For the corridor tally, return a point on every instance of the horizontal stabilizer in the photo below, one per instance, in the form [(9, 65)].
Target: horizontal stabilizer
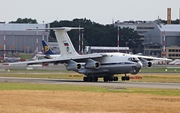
[(59, 28)]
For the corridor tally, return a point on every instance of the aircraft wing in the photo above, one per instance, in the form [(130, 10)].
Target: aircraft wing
[(80, 58), (149, 58)]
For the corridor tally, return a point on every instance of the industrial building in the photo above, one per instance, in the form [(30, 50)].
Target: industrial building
[(163, 40), (16, 37), (140, 26)]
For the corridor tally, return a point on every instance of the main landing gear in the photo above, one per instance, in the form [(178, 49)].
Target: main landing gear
[(106, 78), (110, 78), (95, 79), (124, 78), (90, 79)]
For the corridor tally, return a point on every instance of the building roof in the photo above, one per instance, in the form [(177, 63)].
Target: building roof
[(19, 27), (169, 27)]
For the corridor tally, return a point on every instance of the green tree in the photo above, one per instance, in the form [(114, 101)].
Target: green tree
[(25, 20), (172, 21)]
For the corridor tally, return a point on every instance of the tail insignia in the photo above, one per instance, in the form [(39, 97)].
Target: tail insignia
[(66, 44), (46, 48), (67, 48)]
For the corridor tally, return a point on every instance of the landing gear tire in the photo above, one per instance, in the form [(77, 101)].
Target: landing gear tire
[(105, 79), (95, 79), (85, 79), (115, 78), (124, 78), (90, 79), (111, 78)]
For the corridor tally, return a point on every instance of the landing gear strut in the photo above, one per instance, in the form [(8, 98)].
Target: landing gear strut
[(125, 78)]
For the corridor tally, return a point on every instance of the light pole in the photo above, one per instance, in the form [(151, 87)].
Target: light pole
[(149, 53), (43, 38), (4, 41), (79, 40), (37, 41), (82, 42), (126, 46), (118, 43)]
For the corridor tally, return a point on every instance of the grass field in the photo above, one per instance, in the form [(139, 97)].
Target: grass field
[(28, 86), (49, 98)]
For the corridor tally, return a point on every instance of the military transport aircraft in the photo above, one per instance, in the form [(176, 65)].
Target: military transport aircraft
[(97, 65)]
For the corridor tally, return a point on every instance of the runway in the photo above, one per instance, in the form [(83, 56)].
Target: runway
[(100, 83)]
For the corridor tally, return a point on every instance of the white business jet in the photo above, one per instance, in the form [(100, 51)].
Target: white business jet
[(93, 66)]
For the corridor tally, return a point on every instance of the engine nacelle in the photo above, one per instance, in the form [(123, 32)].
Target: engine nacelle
[(91, 64), (72, 65), (146, 63), (149, 64)]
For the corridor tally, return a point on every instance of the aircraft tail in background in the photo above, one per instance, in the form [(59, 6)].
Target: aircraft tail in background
[(47, 49)]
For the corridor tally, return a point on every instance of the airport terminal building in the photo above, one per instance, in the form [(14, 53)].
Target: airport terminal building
[(16, 37)]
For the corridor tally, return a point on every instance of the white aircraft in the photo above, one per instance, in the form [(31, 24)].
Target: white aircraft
[(13, 59), (174, 62), (94, 66)]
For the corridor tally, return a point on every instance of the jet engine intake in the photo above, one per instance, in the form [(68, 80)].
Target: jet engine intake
[(91, 64), (146, 63), (74, 66), (149, 64)]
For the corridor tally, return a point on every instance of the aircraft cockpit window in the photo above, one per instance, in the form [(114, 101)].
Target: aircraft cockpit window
[(134, 59)]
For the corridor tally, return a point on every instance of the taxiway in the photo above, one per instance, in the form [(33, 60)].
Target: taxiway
[(102, 84)]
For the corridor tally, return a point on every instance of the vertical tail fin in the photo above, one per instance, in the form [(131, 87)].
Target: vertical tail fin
[(64, 42), (65, 45), (47, 49)]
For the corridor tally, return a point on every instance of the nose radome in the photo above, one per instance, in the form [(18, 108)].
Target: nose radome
[(139, 65)]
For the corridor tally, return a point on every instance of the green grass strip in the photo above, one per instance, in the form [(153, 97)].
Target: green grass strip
[(28, 86)]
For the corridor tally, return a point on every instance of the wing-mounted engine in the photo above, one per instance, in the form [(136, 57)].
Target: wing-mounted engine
[(72, 65), (146, 63), (149, 64), (92, 64)]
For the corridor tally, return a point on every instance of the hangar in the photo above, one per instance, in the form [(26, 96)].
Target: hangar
[(16, 38), (167, 36)]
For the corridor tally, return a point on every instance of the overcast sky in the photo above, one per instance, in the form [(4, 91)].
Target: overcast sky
[(100, 11)]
